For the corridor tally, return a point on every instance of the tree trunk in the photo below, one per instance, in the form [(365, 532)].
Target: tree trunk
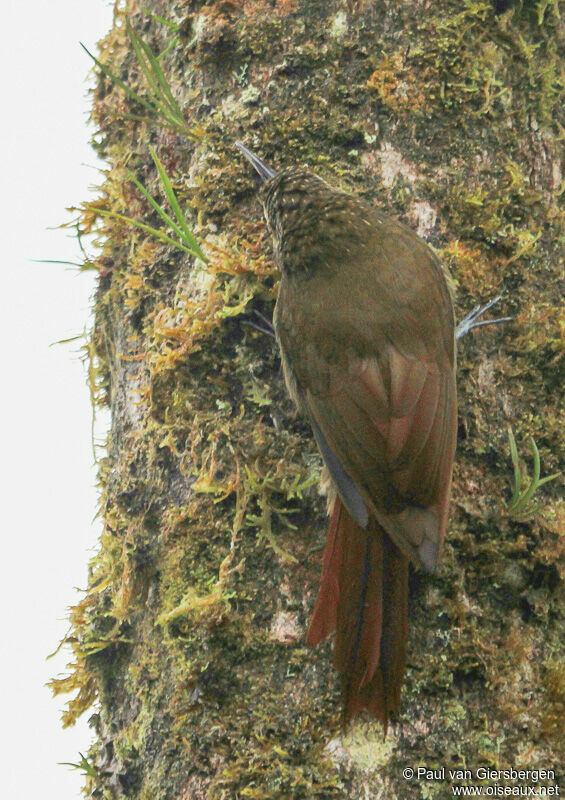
[(190, 637)]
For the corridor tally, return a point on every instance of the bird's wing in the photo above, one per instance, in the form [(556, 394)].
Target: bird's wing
[(386, 428)]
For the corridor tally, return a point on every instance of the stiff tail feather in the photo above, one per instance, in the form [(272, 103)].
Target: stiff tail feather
[(363, 597)]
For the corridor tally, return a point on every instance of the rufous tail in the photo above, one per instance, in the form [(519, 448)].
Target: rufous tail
[(363, 597)]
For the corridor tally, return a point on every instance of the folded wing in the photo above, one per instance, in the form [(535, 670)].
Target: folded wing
[(386, 427)]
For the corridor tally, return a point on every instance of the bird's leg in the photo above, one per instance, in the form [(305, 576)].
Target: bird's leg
[(470, 321)]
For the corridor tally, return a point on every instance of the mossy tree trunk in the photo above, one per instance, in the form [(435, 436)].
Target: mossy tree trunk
[(189, 639)]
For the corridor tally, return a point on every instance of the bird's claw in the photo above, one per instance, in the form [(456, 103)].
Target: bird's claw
[(472, 319), (267, 326)]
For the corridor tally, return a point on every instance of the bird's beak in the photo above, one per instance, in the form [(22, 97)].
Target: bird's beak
[(265, 172)]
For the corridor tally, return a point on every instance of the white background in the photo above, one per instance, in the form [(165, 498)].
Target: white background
[(48, 495)]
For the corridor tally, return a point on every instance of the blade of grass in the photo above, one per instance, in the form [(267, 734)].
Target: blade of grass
[(56, 261), (528, 493), (162, 101), (162, 213), (84, 766), (153, 231), (164, 21), (548, 478), (160, 105), (162, 95), (162, 81), (169, 47), (188, 242), (522, 504), (68, 341), (136, 44), (536, 482), (171, 197), (517, 474), (118, 81)]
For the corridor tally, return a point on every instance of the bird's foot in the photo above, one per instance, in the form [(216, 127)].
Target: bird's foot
[(266, 327), (472, 319)]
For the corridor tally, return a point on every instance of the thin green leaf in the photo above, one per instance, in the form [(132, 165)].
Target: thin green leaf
[(162, 95), (162, 213), (517, 474), (534, 483), (168, 48), (522, 504), (171, 197), (537, 462), (136, 44), (162, 101), (84, 766), (548, 478), (162, 81), (56, 261), (68, 341), (118, 81), (174, 25), (153, 231)]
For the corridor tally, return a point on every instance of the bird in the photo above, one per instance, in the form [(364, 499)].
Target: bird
[(365, 324)]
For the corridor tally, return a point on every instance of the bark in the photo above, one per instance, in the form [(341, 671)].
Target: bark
[(190, 637)]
